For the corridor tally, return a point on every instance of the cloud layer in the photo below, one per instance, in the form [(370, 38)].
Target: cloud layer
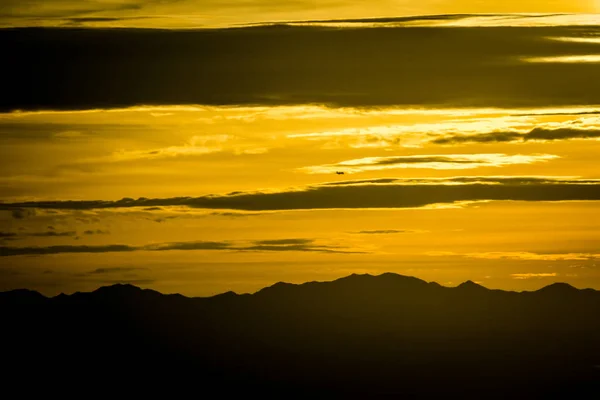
[(352, 194), (276, 65)]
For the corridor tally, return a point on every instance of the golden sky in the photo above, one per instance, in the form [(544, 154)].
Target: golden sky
[(200, 161)]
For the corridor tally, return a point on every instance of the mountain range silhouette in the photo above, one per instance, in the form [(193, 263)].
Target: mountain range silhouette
[(361, 336)]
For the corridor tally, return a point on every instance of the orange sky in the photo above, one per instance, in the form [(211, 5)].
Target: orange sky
[(472, 157)]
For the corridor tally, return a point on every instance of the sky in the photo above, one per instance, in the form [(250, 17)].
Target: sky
[(216, 146)]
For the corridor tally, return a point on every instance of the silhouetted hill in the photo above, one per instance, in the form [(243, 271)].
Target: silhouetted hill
[(361, 336)]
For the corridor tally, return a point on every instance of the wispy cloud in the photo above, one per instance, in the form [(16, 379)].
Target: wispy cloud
[(518, 128), (385, 232), (115, 270), (279, 245), (197, 145), (522, 255), (446, 161), (532, 275), (575, 59)]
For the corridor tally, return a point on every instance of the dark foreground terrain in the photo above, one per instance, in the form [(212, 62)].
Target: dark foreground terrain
[(361, 336)]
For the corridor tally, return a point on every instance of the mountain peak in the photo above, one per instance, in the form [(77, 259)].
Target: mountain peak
[(558, 288), (23, 296), (471, 285)]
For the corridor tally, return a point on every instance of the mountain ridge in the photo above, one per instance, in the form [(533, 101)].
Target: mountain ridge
[(467, 285)]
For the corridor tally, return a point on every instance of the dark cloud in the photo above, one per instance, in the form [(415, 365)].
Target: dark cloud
[(52, 9), (4, 235), (49, 233), (96, 232), (235, 214), (274, 65), (562, 134), (375, 193), (541, 114), (298, 247), (85, 20), (163, 219), (113, 270), (20, 213), (17, 251), (418, 160), (190, 246), (491, 137), (539, 134), (284, 242), (52, 233), (301, 245)]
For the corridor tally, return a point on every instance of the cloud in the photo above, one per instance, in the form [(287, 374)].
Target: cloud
[(96, 232), (557, 113), (446, 161), (384, 232), (562, 134), (52, 233), (522, 255), (488, 137), (536, 134), (533, 275), (197, 145), (462, 20), (357, 67), (353, 194), (284, 245), (513, 128), (114, 270), (284, 242), (20, 213), (587, 58), (5, 235), (6, 251)]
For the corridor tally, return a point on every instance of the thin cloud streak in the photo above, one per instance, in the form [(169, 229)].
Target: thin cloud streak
[(439, 162), (520, 256), (283, 245)]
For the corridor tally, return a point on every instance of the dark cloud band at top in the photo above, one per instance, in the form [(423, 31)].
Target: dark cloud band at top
[(363, 194), (276, 65)]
